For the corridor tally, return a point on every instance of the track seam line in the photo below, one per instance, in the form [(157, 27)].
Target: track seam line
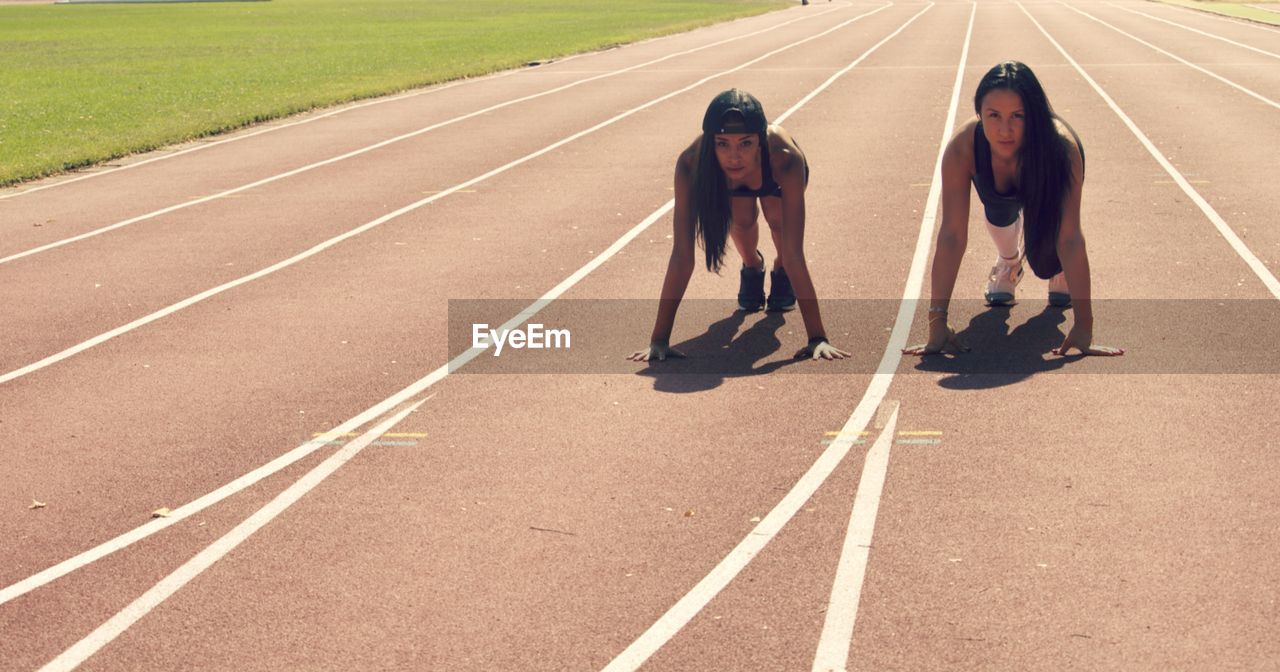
[(688, 606), (1195, 30), (1255, 264), (377, 410), (379, 145), (1175, 57), (209, 293)]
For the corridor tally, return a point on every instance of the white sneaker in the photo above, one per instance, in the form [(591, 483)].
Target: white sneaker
[(1004, 278), (1059, 296)]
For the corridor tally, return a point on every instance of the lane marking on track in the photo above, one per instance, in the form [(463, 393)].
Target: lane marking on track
[(105, 633), (317, 249), (846, 589), (1196, 30), (398, 435), (379, 145), (1175, 57), (1227, 19), (834, 644), (1259, 268), (237, 138), (370, 414), (688, 606)]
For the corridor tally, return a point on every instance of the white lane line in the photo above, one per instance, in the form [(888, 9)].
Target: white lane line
[(209, 293), (117, 624), (1247, 23), (108, 631), (300, 452), (688, 606), (377, 410), (1259, 268), (846, 589), (384, 143), (1175, 57), (343, 110), (833, 649), (1196, 30)]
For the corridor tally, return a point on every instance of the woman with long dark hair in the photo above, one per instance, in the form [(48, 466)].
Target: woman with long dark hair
[(1027, 166), (740, 165)]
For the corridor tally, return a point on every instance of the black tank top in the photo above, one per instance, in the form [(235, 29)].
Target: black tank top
[(1001, 209)]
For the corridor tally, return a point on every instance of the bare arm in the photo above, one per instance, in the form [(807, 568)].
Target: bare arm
[(789, 173), (679, 265), (953, 238), (953, 234), (1075, 265), (1071, 250)]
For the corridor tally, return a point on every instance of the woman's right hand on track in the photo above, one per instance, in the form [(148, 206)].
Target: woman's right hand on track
[(941, 337), (656, 350)]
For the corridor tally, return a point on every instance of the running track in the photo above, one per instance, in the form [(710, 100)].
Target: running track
[(181, 330)]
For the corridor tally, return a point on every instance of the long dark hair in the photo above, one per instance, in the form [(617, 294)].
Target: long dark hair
[(711, 203), (711, 200), (1043, 163)]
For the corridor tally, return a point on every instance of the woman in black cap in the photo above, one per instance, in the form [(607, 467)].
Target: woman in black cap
[(1026, 164), (739, 160)]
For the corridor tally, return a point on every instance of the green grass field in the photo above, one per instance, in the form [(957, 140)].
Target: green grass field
[(80, 84)]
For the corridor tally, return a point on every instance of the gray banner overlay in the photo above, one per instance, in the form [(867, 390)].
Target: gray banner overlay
[(1161, 336)]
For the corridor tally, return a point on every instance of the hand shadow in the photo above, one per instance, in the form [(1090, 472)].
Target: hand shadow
[(716, 355), (998, 356)]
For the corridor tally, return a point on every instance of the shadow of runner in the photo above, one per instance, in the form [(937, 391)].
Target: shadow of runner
[(997, 356), (717, 354)]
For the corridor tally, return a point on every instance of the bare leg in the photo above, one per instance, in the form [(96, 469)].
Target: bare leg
[(744, 230), (773, 215)]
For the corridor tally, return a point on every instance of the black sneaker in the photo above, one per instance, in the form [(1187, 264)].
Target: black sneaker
[(781, 296), (751, 288)]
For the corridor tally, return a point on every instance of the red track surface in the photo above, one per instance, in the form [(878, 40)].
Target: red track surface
[(1075, 514)]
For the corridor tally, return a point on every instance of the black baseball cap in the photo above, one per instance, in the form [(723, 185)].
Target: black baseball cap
[(721, 117)]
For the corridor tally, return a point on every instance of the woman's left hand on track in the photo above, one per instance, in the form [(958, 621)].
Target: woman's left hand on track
[(657, 351), (821, 350), (1082, 340)]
